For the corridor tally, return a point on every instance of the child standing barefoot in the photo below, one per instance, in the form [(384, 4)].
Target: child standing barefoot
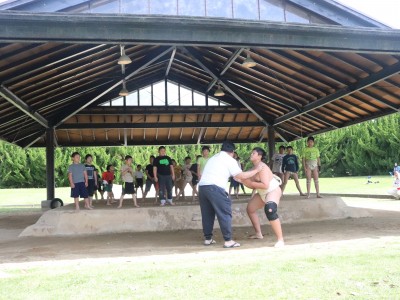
[(78, 180)]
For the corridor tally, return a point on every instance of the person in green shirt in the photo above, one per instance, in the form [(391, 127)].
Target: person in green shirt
[(312, 165), (201, 162)]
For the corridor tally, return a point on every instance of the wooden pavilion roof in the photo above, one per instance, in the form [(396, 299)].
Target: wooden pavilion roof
[(58, 69)]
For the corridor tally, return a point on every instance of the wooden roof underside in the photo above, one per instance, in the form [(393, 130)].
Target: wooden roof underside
[(308, 79)]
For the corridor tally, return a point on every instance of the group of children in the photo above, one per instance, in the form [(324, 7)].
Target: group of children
[(85, 181), (286, 165)]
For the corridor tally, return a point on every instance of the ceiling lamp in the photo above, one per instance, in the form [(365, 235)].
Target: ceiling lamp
[(249, 62), (123, 92), (124, 59), (219, 92)]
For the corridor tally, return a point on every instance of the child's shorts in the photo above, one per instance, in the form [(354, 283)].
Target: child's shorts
[(128, 188), (91, 187), (79, 190), (139, 182), (108, 188)]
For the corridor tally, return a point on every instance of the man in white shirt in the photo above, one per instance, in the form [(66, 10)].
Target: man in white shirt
[(214, 200)]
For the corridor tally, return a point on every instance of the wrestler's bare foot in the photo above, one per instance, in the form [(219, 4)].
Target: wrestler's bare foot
[(119, 206), (319, 196), (257, 236), (136, 205), (302, 194), (308, 196), (279, 244), (88, 207)]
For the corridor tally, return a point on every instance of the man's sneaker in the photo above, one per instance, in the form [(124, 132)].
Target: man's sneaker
[(162, 203), (170, 202)]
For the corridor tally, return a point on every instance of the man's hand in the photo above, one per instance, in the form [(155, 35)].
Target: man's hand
[(319, 168), (155, 179), (86, 184), (72, 185)]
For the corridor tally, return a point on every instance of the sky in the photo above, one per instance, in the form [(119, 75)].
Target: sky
[(385, 11)]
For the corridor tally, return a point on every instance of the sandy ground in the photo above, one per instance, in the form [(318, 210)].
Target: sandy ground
[(383, 226)]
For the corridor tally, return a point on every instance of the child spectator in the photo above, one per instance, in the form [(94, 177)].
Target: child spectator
[(195, 179), (127, 177), (205, 152), (150, 179), (276, 162), (395, 190), (108, 179), (92, 177), (100, 187), (178, 182), (78, 180), (290, 167), (139, 178), (312, 165)]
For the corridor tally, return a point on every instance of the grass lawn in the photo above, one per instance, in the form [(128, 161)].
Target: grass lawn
[(339, 185), (244, 274)]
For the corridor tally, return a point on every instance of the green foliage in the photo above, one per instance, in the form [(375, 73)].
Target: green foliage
[(369, 148)]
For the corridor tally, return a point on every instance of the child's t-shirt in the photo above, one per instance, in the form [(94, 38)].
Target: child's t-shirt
[(90, 169), (311, 153), (138, 174), (127, 177), (108, 177), (77, 172)]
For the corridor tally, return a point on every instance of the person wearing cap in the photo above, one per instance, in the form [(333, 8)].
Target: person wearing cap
[(214, 200), (312, 165)]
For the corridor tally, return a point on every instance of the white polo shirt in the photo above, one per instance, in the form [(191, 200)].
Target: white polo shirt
[(218, 170)]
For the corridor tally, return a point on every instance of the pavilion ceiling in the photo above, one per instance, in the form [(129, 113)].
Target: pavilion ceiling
[(336, 78)]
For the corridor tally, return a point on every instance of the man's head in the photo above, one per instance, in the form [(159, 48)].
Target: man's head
[(188, 160), (281, 149), (152, 157), (229, 147), (289, 149)]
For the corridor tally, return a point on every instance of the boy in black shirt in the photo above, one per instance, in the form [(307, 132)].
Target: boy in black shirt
[(164, 174), (290, 166)]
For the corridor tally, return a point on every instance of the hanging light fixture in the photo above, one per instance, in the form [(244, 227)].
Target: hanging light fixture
[(123, 92), (249, 62), (219, 92), (124, 59)]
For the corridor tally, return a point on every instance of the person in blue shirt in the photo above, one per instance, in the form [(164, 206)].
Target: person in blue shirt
[(290, 167)]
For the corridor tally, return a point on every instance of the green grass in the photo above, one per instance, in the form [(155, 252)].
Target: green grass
[(262, 274)]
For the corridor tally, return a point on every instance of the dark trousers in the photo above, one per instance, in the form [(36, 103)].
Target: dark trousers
[(215, 201), (165, 182)]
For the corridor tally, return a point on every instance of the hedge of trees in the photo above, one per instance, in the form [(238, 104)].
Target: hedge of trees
[(370, 148)]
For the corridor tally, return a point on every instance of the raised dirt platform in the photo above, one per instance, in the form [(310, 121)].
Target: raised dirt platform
[(65, 221)]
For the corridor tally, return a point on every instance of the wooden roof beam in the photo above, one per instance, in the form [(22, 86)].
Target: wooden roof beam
[(159, 53), (21, 105), (157, 125), (361, 84)]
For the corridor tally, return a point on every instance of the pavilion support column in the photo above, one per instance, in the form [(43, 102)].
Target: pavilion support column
[(50, 183), (271, 142)]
